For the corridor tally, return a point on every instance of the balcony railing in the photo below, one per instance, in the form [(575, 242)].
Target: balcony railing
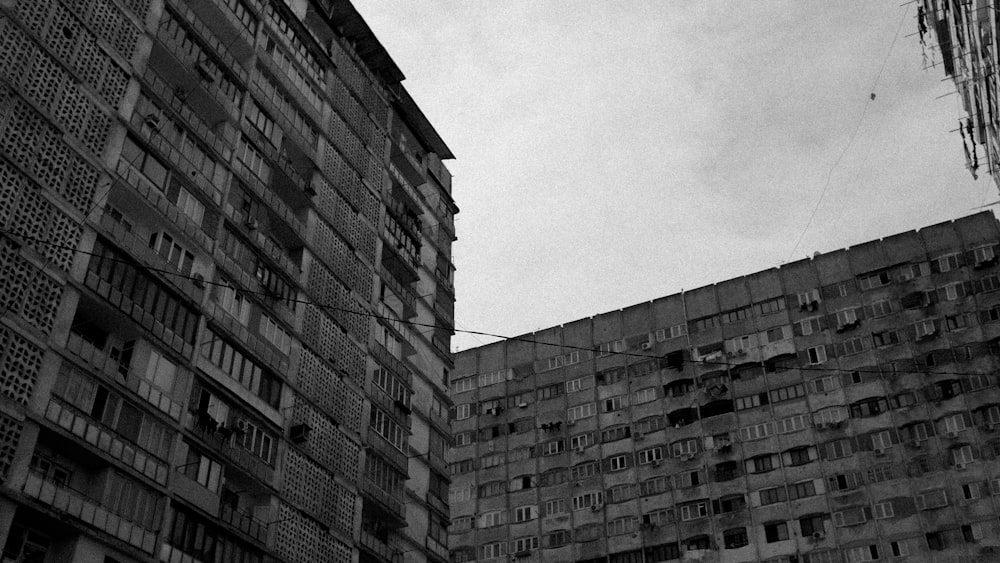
[(380, 548), (244, 522), (103, 363), (222, 443), (391, 503), (86, 429), (90, 511)]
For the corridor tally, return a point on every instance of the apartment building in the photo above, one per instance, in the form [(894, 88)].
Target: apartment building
[(843, 408), (218, 221), (967, 50)]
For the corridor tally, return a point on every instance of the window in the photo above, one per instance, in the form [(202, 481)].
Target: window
[(861, 553), (492, 489), (623, 525), (678, 331), (253, 160), (687, 447), (651, 455), (770, 306), (853, 346), (735, 538), (756, 432), (983, 254), (880, 473), (463, 385), (694, 510), (273, 333), (615, 434), (824, 384), (791, 424), (555, 506), (494, 377), (885, 338), (775, 531), (808, 298), (621, 493), (882, 510), (962, 455), (771, 496), (463, 411), (492, 518), (839, 449), (201, 469), (947, 263), (811, 525), (846, 317), (816, 354), (581, 441), (611, 376), (608, 348), (585, 410), (801, 490), (551, 391), (760, 463), (788, 393), (934, 498), (493, 550), (588, 500), (554, 447), (50, 470), (881, 308), (142, 160), (579, 384), (954, 291), (809, 326), (850, 516), (171, 251), (924, 329), (872, 281), (556, 539), (658, 485), (614, 403), (583, 470), (521, 545), (751, 401), (646, 395), (800, 456)]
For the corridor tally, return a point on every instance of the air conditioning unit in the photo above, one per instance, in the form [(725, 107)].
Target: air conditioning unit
[(580, 449), (595, 507), (952, 434), (818, 536), (252, 224), (198, 280), (656, 463), (570, 422), (242, 425), (960, 466), (990, 426), (522, 405), (878, 451), (646, 345), (152, 121), (687, 457), (490, 446)]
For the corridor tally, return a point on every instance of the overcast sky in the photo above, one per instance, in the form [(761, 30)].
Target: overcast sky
[(613, 152)]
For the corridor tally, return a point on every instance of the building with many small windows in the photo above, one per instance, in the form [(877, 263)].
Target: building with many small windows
[(217, 218), (843, 408), (967, 35)]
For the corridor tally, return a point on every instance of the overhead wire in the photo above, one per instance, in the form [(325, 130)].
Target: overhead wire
[(850, 141), (523, 339)]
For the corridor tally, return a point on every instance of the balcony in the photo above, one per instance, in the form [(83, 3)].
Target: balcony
[(140, 250), (386, 358), (262, 349), (102, 362), (379, 548), (222, 442), (245, 523), (438, 549), (83, 427), (77, 505), (386, 450), (402, 292), (389, 506)]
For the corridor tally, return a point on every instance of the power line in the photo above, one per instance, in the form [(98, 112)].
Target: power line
[(864, 111), (524, 339)]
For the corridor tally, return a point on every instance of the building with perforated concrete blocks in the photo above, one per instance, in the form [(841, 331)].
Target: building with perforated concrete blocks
[(843, 408), (217, 218)]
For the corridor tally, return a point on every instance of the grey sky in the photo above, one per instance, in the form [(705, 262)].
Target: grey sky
[(611, 152)]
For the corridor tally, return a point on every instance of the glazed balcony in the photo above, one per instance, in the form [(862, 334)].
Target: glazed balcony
[(222, 442), (388, 506), (76, 504), (379, 548), (70, 419)]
